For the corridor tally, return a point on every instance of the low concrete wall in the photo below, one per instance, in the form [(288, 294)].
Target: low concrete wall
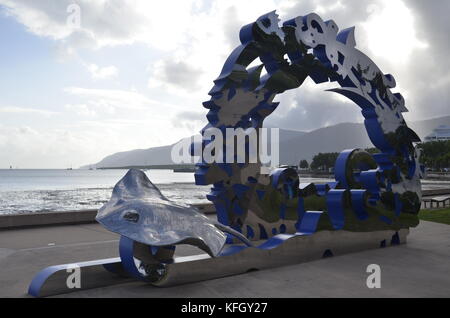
[(67, 217), (435, 192), (47, 218)]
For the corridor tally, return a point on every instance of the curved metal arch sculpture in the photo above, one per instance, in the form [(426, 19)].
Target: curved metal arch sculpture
[(386, 184), (379, 194), (371, 192)]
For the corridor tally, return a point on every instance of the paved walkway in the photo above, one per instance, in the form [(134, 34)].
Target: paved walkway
[(419, 269)]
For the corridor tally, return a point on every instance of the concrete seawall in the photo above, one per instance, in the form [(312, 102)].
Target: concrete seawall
[(14, 221), (435, 192), (47, 218)]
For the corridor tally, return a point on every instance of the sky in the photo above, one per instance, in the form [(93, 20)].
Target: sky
[(82, 79)]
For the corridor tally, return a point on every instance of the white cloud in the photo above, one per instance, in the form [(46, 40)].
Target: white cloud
[(194, 53), (51, 147), (113, 98), (106, 22), (390, 31), (79, 143), (202, 47), (124, 100), (24, 110), (132, 117), (169, 73), (106, 72), (193, 121), (81, 109)]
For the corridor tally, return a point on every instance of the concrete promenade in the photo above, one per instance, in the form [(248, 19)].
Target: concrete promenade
[(420, 268)]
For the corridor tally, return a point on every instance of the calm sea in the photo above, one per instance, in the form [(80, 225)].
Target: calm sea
[(23, 191)]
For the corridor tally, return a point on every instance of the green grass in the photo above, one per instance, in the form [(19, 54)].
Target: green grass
[(439, 216)]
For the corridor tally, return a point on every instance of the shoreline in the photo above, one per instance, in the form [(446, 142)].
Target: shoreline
[(34, 219), (30, 219), (53, 218)]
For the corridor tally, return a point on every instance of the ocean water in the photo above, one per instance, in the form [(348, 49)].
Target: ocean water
[(24, 191)]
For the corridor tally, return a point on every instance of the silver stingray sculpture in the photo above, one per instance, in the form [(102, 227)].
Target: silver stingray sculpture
[(138, 210)]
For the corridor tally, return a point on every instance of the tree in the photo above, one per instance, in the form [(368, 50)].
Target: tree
[(324, 161), (435, 154), (303, 164)]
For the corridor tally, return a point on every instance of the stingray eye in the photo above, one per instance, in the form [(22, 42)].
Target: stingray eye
[(131, 216)]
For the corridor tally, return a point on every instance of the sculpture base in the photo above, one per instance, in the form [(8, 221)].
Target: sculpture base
[(295, 250), (53, 280)]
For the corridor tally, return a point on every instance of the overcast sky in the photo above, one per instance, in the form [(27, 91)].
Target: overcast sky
[(135, 72)]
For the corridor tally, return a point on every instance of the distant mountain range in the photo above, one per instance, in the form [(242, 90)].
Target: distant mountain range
[(294, 145)]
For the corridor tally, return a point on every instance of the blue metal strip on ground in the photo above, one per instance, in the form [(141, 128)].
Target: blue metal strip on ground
[(41, 278)]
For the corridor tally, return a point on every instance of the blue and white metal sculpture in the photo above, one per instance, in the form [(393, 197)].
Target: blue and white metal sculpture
[(379, 192), (381, 187), (385, 182)]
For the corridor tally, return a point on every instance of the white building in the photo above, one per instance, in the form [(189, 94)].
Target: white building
[(439, 134)]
